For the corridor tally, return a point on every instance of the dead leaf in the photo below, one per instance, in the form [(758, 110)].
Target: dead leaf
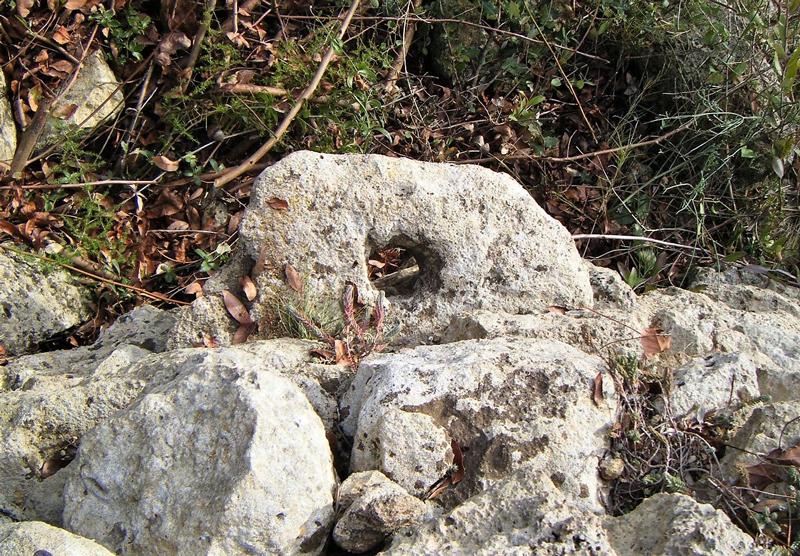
[(195, 288), (64, 111), (209, 341), (293, 278), (249, 287), (61, 35), (24, 7), (165, 163), (598, 389), (278, 204), (341, 352), (242, 333), (75, 4), (258, 268), (557, 309), (52, 466), (654, 341), (236, 308)]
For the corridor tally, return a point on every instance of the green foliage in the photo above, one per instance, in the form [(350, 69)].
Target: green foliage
[(214, 259), (121, 30)]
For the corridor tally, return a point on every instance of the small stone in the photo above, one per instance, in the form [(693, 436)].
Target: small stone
[(611, 468)]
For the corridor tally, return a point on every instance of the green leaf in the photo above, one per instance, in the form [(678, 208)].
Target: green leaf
[(747, 153), (555, 82), (733, 257), (550, 141), (790, 72)]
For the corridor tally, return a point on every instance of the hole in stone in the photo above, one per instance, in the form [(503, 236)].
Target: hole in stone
[(403, 267)]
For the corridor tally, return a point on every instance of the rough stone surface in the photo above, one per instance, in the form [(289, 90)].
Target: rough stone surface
[(769, 427), (375, 508), (221, 460), (24, 539), (508, 401), (8, 130), (719, 381), (96, 95), (342, 208), (525, 514), (35, 305), (677, 524)]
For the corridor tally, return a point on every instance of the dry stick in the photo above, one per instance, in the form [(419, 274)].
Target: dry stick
[(287, 120), (78, 185), (655, 141), (566, 79), (639, 238), (142, 291), (198, 42), (400, 59)]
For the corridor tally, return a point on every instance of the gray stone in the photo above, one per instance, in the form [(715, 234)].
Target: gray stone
[(376, 507), (36, 305), (96, 96), (225, 459), (610, 290), (24, 539), (667, 524), (341, 208), (507, 401), (8, 130), (719, 381), (525, 514), (772, 426)]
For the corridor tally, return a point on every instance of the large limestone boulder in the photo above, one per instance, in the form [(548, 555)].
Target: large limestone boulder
[(36, 305), (35, 538), (221, 460), (507, 402), (478, 238)]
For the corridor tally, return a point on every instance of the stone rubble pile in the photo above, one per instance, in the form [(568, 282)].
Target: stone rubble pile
[(142, 444)]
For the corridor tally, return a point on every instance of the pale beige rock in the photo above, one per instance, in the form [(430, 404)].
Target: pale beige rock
[(8, 129)]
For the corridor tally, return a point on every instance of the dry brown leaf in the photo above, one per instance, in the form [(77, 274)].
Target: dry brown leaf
[(654, 341), (293, 278), (598, 389), (557, 309), (249, 287), (209, 341), (341, 352), (278, 204), (258, 268), (195, 288), (236, 308), (24, 7), (165, 163), (61, 35), (64, 111), (75, 4), (242, 333)]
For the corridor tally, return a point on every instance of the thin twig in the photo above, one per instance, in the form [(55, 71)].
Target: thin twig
[(640, 144), (287, 120), (78, 185), (430, 20), (639, 238), (194, 54), (141, 291), (567, 82), (400, 58)]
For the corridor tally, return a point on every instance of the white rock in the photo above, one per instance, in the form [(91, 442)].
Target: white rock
[(35, 306), (479, 238), (8, 129), (720, 381), (506, 401), (24, 539), (375, 507), (677, 524), (222, 460), (96, 95)]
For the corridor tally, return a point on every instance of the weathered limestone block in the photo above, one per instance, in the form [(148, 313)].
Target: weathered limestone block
[(374, 508), (479, 239), (26, 538), (677, 524), (507, 401), (221, 460), (35, 305)]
